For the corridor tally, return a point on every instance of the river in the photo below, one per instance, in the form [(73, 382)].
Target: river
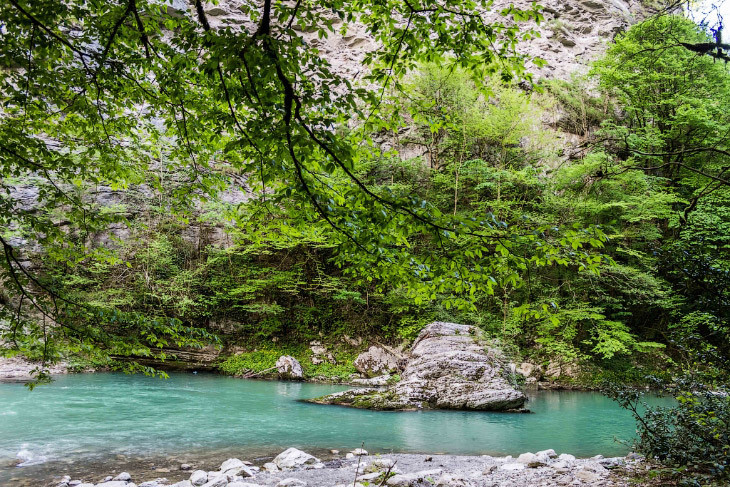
[(92, 422)]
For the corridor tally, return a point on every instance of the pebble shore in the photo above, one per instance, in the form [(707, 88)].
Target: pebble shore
[(295, 468)]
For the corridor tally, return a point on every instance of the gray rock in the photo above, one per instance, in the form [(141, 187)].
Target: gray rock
[(219, 481), (450, 368), (548, 453), (230, 464), (116, 483), (185, 466), (154, 483), (567, 457), (378, 361), (512, 466), (289, 367), (184, 483), (454, 480), (123, 476), (199, 477), (358, 452), (527, 458), (270, 467), (292, 458), (74, 483), (291, 482), (414, 479), (240, 483)]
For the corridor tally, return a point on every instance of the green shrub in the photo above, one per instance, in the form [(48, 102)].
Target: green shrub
[(692, 438)]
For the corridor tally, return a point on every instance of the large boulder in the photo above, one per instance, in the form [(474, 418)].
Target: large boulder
[(451, 367), (378, 361), (289, 367), (292, 458)]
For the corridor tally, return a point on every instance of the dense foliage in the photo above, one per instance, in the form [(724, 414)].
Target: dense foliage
[(167, 183), (692, 438)]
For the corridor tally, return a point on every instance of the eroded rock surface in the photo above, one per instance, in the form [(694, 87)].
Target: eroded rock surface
[(289, 367), (450, 367), (378, 361)]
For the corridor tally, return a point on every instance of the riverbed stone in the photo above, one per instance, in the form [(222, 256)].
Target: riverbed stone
[(566, 457), (154, 483), (199, 477), (183, 483), (451, 367), (230, 464), (548, 453), (358, 452), (291, 482), (270, 467), (414, 479), (123, 476), (219, 481), (289, 367), (292, 458), (454, 480)]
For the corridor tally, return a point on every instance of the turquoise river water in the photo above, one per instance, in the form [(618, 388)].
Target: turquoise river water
[(96, 421)]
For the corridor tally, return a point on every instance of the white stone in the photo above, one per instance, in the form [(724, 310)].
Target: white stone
[(291, 482), (289, 367), (270, 467), (512, 466), (220, 481), (567, 457), (116, 483), (230, 464), (123, 476), (527, 458), (349, 456), (292, 457), (453, 480), (184, 483), (359, 452), (199, 477), (548, 453), (408, 479)]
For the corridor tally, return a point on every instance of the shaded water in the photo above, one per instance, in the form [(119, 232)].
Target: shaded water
[(100, 419)]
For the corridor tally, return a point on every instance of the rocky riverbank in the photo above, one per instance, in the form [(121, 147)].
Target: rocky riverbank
[(295, 468), (20, 369)]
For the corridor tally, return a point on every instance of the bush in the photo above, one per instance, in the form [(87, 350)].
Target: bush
[(692, 438)]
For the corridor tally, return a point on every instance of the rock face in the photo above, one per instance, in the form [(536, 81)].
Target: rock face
[(450, 367), (378, 361), (289, 367)]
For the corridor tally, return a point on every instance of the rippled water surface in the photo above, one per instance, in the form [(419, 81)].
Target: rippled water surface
[(103, 418)]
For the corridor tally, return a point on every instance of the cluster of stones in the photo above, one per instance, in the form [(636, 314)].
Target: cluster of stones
[(295, 468)]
